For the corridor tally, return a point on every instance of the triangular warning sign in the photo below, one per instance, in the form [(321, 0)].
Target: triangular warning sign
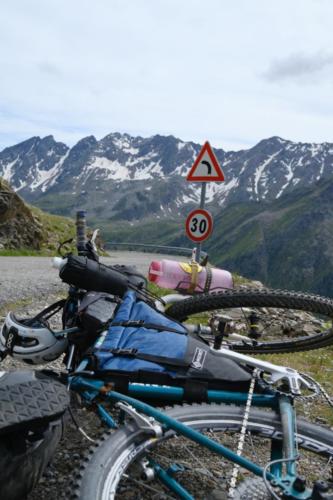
[(206, 167)]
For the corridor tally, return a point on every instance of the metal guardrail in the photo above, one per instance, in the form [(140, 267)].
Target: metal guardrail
[(144, 247)]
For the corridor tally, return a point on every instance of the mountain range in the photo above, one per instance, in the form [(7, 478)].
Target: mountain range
[(132, 178), (273, 216)]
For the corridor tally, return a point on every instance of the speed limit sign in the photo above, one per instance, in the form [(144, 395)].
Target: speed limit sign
[(199, 225)]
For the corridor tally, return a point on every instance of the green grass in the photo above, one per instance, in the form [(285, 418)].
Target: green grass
[(22, 252), (319, 365), (56, 229), (240, 280), (158, 291), (17, 304)]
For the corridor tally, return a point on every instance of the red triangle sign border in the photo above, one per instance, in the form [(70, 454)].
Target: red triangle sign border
[(219, 177)]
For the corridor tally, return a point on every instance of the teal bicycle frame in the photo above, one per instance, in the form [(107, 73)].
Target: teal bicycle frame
[(283, 451)]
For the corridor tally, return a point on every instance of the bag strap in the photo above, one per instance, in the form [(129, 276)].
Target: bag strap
[(209, 277), (49, 311), (194, 276), (142, 324), (94, 299), (133, 353)]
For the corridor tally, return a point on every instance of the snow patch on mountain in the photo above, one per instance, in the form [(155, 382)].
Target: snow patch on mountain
[(315, 149), (149, 172), (8, 171), (288, 177), (42, 176), (113, 169), (46, 178), (183, 169), (259, 172)]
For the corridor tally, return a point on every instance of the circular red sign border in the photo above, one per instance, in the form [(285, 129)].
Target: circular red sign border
[(199, 211)]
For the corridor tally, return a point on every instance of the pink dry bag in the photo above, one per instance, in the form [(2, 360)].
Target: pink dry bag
[(189, 277)]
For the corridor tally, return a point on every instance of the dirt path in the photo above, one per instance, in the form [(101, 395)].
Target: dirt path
[(24, 277)]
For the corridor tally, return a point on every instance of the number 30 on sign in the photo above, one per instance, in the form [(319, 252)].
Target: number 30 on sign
[(199, 225)]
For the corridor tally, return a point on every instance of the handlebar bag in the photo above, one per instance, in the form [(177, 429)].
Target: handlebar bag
[(91, 275), (144, 345)]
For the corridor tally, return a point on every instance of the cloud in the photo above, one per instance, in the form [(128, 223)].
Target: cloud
[(298, 67), (49, 69), (156, 66)]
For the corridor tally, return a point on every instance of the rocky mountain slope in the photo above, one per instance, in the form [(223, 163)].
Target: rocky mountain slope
[(131, 178), (18, 226), (27, 227)]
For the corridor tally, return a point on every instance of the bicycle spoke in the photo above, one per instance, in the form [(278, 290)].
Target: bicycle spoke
[(144, 485)]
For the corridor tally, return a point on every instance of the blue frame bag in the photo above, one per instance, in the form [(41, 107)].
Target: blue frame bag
[(142, 344)]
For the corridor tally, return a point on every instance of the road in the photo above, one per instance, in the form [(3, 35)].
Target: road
[(24, 277)]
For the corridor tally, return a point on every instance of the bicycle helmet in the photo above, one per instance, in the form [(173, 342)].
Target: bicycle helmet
[(30, 341)]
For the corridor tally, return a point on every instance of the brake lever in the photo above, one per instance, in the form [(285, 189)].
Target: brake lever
[(62, 244), (93, 239)]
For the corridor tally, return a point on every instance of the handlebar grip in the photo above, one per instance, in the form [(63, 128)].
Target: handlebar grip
[(90, 275), (81, 230)]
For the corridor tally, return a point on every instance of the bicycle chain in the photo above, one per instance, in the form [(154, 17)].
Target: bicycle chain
[(241, 441), (321, 391)]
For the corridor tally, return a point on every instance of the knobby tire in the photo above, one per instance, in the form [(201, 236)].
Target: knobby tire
[(282, 299), (109, 469)]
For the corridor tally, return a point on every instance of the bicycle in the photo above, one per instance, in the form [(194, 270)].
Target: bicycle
[(146, 455), (143, 429), (148, 427)]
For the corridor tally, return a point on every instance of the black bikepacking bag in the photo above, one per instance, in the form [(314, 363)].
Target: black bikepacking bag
[(132, 275), (91, 275), (143, 345), (96, 310), (94, 313)]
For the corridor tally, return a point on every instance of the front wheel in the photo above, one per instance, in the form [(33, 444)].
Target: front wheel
[(120, 466), (284, 321)]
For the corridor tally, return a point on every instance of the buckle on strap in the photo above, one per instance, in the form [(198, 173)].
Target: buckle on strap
[(129, 323), (124, 352)]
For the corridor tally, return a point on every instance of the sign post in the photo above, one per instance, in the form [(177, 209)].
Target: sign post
[(206, 168), (202, 206)]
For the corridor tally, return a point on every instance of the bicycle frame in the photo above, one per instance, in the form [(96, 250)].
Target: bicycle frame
[(158, 422)]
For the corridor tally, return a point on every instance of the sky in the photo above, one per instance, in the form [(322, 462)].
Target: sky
[(231, 72)]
